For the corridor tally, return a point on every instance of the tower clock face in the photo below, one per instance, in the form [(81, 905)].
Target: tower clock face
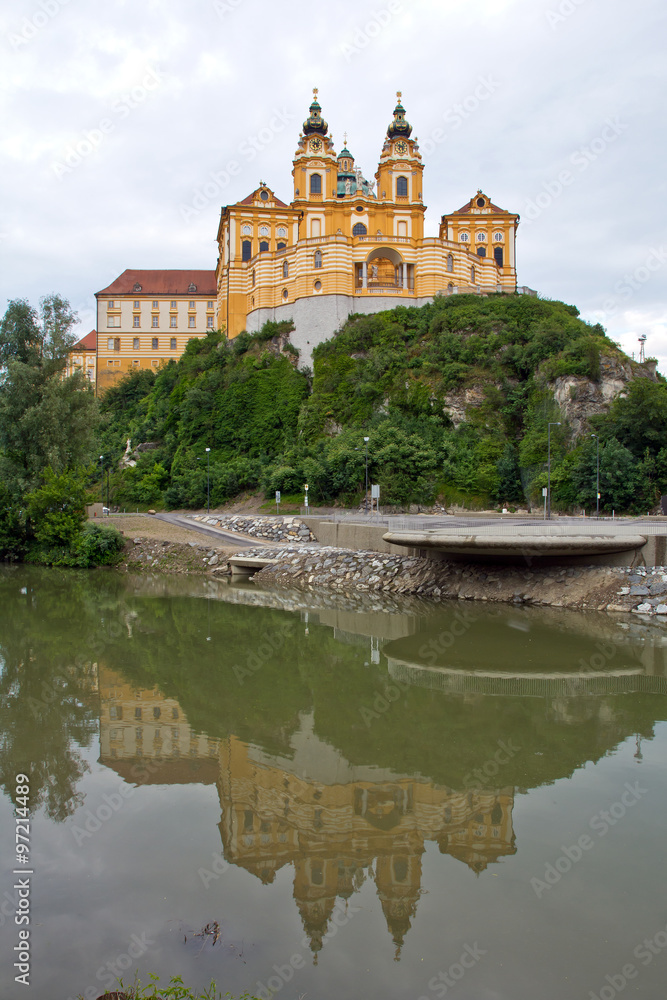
[(401, 147), (315, 145)]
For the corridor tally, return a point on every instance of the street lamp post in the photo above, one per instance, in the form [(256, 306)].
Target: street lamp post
[(208, 480), (555, 423), (102, 481), (366, 440), (597, 477)]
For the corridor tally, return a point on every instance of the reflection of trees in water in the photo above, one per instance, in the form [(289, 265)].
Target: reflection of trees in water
[(48, 713)]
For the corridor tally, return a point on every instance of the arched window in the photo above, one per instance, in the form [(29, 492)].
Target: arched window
[(246, 250), (285, 269), (481, 251), (464, 237), (472, 275), (280, 246), (316, 183), (402, 187), (498, 255), (450, 262), (263, 246), (359, 229), (253, 277), (318, 258)]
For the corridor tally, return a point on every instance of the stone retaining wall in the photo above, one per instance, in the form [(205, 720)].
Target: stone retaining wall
[(604, 588), (273, 529)]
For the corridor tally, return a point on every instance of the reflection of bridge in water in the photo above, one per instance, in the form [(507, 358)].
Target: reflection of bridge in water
[(527, 685)]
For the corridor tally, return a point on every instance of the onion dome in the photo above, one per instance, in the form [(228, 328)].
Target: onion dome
[(315, 123), (399, 127)]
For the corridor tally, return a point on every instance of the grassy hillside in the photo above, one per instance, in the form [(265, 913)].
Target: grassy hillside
[(397, 377)]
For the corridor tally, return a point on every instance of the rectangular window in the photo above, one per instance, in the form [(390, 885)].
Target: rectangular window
[(154, 343), (191, 322), (173, 304), (209, 305), (173, 322), (135, 344), (172, 343), (155, 303), (111, 304), (137, 713), (155, 362), (136, 303), (156, 322), (136, 321), (135, 362), (110, 344), (209, 322), (116, 712), (192, 305), (113, 321)]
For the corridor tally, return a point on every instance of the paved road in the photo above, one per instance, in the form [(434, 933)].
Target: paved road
[(229, 537)]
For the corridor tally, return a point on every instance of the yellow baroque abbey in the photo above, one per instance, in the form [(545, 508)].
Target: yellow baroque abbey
[(343, 245), (347, 245)]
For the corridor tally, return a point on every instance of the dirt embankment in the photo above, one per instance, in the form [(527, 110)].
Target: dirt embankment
[(162, 547)]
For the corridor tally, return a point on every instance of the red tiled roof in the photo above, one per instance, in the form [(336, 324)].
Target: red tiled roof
[(251, 197), (162, 283), (87, 343)]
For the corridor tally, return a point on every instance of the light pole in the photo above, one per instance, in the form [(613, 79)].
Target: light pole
[(366, 440), (555, 423), (597, 477), (208, 480)]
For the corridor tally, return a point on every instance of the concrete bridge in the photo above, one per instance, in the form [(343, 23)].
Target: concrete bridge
[(619, 542)]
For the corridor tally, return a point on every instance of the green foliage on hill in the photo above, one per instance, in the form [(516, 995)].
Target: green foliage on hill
[(392, 377)]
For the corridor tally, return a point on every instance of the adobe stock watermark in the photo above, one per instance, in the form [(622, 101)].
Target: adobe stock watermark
[(441, 984), (600, 824), (108, 975), (383, 701), (31, 26), (628, 286), (581, 159), (268, 647), (93, 138), (247, 151), (434, 648), (645, 952), (218, 868), (480, 776), (370, 30), (341, 915), (565, 9), (225, 7), (454, 117)]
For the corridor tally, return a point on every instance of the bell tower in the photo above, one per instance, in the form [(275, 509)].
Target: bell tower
[(399, 177), (315, 168)]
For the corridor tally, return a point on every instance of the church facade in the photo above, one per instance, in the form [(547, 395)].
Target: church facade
[(348, 245)]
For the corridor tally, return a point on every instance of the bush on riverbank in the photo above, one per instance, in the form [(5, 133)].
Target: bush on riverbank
[(48, 525)]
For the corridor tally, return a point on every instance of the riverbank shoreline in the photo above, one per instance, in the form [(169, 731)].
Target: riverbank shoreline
[(157, 546)]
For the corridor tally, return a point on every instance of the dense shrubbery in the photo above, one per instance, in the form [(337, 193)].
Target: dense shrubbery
[(386, 377), (47, 434)]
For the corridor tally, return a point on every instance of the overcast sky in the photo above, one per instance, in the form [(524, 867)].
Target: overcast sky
[(121, 119)]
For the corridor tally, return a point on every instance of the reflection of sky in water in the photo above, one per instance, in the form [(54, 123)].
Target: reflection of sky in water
[(349, 840)]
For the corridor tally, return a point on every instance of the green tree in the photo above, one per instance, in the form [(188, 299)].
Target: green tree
[(57, 510), (45, 419)]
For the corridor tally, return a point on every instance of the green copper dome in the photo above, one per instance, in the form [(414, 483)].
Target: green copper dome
[(399, 127), (315, 123)]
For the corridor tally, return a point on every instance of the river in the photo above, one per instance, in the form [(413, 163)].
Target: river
[(313, 795)]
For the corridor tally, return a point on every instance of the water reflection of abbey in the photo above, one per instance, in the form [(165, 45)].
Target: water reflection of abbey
[(337, 824)]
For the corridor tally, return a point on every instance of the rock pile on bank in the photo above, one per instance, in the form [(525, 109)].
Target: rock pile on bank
[(604, 588), (271, 529), (145, 554)]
